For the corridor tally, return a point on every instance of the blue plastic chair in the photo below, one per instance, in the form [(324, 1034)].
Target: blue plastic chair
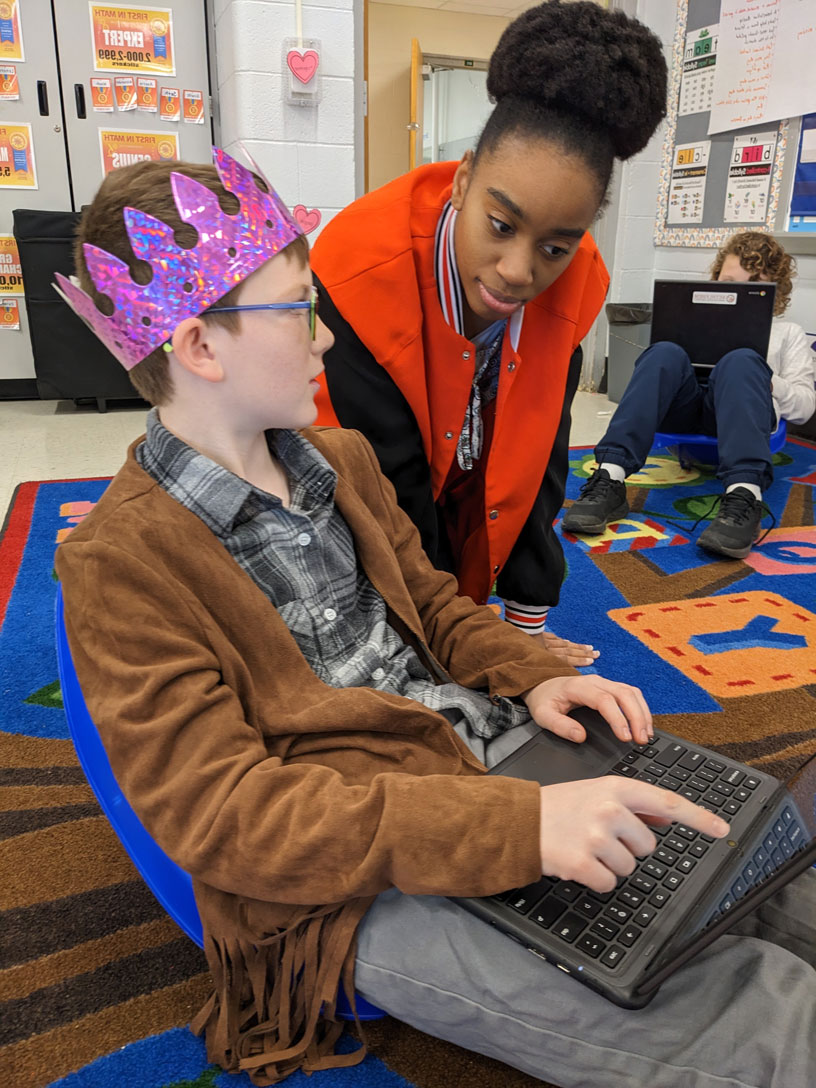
[(703, 447), (171, 885)]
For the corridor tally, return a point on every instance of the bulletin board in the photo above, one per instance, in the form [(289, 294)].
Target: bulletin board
[(712, 185)]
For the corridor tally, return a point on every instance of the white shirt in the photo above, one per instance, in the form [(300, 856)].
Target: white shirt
[(793, 363)]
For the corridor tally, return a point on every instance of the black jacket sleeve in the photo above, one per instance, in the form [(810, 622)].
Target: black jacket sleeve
[(534, 570), (365, 398)]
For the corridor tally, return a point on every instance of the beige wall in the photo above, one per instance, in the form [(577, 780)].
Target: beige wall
[(390, 30)]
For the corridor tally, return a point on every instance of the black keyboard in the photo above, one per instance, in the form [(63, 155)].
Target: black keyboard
[(605, 926)]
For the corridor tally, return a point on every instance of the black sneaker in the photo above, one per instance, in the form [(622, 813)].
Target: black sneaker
[(602, 500), (736, 526)]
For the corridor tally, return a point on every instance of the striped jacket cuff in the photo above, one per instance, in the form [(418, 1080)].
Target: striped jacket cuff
[(527, 617)]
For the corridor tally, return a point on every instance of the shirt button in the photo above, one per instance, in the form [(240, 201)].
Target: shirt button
[(304, 539), (465, 354), (329, 614), (495, 699), (493, 515), (378, 674)]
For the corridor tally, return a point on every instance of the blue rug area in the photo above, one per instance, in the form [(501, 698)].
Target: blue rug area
[(177, 1059)]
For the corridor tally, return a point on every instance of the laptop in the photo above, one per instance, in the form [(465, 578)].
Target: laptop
[(710, 319), (687, 892)]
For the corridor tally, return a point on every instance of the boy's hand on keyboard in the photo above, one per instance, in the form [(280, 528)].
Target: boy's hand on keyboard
[(594, 830), (622, 705)]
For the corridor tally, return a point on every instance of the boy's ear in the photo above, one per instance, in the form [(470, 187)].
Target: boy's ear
[(194, 350)]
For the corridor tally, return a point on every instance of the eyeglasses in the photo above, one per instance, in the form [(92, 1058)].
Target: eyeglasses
[(311, 306)]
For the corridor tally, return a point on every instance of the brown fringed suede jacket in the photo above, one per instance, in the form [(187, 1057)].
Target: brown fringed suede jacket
[(290, 802)]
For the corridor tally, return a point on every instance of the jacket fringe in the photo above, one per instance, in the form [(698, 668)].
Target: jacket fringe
[(272, 1011)]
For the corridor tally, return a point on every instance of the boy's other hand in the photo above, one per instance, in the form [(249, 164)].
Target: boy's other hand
[(622, 705), (593, 831), (571, 653)]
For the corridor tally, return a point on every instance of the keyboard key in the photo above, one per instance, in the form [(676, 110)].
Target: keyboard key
[(673, 843), (670, 783), (697, 783), (698, 849), (586, 906), (548, 912), (715, 765), (739, 888), (760, 856), (686, 832), (692, 760), (642, 883), (650, 778), (750, 782), (613, 956), (712, 798), (726, 904), (567, 891), (660, 897), (592, 946), (604, 929), (630, 898), (679, 772), (664, 856), (706, 775), (795, 834), (750, 873), (787, 815), (685, 865), (656, 770), (673, 881), (724, 788), (630, 757), (734, 776), (625, 769), (670, 755), (645, 915), (617, 914), (731, 808), (693, 795), (524, 899), (655, 870), (741, 793), (787, 849), (629, 935), (570, 926)]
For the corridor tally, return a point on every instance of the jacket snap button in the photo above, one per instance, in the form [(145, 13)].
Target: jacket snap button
[(511, 366), (493, 515), (496, 569), (465, 354), (448, 434)]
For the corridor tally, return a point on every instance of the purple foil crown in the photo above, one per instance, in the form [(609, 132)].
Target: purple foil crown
[(185, 281)]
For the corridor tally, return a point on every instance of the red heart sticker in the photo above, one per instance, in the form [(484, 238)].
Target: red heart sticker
[(302, 65), (305, 219)]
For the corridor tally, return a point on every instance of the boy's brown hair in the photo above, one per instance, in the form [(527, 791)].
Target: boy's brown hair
[(762, 256), (146, 186)]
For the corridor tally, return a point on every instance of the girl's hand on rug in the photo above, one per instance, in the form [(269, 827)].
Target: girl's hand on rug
[(622, 705), (571, 653), (593, 831)]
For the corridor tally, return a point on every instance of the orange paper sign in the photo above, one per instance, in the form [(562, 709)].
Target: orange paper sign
[(17, 168), (11, 33), (124, 148), (9, 87), (9, 313), (147, 94), (102, 94), (133, 39), (125, 87), (193, 107), (170, 107), (11, 272)]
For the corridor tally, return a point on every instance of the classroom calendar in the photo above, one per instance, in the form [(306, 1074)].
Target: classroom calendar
[(699, 65)]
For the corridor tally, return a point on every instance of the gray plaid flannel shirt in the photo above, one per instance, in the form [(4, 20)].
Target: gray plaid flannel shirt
[(303, 559)]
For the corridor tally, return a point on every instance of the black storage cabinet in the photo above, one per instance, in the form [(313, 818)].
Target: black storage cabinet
[(70, 363)]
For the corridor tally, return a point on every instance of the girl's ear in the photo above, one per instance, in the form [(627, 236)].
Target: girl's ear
[(461, 180), (194, 350)]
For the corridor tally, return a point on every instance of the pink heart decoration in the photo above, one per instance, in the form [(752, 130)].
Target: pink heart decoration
[(305, 219), (302, 65)]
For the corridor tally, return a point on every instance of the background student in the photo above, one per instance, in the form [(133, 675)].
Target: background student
[(459, 294), (741, 403)]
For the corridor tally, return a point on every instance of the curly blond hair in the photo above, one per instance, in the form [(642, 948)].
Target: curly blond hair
[(762, 256)]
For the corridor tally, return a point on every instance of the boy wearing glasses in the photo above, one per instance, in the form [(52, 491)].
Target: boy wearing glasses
[(300, 708)]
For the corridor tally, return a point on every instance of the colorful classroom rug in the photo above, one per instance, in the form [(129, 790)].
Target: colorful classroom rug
[(96, 984)]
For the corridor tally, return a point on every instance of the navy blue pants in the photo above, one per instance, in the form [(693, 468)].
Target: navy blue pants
[(663, 394)]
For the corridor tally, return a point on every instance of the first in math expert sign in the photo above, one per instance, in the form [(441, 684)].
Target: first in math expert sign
[(132, 39)]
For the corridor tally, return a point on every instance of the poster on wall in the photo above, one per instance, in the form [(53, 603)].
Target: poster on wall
[(193, 107), (11, 271), (688, 181), (169, 104), (9, 314), (699, 64), (147, 94), (132, 39), (123, 148), (11, 31), (9, 87), (749, 178), (102, 94), (125, 88), (802, 214), (17, 167)]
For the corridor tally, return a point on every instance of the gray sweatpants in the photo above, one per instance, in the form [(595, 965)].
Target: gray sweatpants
[(742, 1014)]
